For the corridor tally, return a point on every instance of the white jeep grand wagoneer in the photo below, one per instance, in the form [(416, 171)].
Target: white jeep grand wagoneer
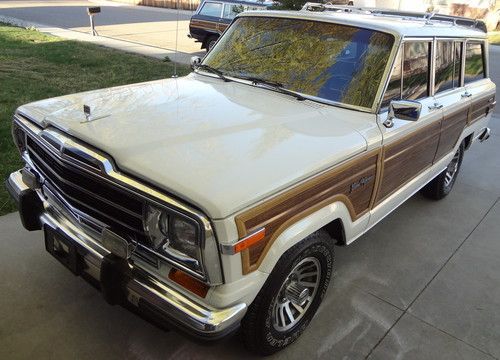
[(214, 201)]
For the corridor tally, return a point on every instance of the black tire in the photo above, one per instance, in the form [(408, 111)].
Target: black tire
[(210, 42), (258, 330), (441, 185)]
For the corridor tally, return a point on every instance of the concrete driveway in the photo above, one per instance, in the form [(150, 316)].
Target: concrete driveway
[(423, 284)]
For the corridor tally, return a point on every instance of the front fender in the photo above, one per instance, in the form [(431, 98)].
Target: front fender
[(309, 224)]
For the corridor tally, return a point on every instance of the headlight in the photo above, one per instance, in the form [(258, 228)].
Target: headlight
[(174, 237), (19, 137)]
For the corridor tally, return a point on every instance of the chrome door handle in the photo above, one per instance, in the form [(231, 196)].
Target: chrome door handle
[(466, 95), (436, 106)]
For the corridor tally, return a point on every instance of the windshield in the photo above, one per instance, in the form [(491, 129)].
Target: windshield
[(335, 62)]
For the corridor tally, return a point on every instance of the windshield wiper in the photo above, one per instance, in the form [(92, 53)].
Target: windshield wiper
[(274, 85), (213, 71)]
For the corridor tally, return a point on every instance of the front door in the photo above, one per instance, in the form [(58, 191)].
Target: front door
[(409, 147)]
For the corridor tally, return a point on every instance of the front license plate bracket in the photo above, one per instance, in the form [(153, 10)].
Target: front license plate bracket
[(63, 249)]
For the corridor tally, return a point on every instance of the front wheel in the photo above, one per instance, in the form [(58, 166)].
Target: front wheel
[(442, 184), (291, 295)]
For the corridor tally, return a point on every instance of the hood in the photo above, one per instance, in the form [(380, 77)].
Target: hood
[(221, 146)]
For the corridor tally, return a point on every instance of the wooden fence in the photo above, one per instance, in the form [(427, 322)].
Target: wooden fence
[(171, 4)]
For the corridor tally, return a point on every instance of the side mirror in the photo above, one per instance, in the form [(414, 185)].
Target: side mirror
[(404, 110), (195, 61)]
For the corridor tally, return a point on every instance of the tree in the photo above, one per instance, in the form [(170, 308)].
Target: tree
[(289, 5)]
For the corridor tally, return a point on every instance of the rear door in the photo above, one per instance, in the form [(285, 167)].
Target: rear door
[(409, 147), (448, 93), (478, 87)]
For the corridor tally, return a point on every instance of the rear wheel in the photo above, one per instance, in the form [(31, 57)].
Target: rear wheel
[(211, 42), (291, 295), (442, 184)]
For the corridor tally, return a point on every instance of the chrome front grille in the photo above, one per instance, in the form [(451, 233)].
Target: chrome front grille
[(86, 192), (84, 182)]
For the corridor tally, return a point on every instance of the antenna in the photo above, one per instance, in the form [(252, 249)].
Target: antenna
[(176, 40)]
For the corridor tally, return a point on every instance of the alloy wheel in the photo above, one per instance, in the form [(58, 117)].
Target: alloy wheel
[(296, 294)]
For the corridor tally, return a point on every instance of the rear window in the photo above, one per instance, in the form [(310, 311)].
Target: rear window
[(211, 9), (474, 62)]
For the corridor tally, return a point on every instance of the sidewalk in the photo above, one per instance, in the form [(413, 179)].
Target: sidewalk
[(138, 29)]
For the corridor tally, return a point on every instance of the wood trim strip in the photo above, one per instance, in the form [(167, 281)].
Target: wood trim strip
[(352, 183), (481, 107), (203, 24), (406, 158), (452, 127)]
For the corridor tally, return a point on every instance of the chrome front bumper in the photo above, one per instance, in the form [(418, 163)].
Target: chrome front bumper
[(137, 287)]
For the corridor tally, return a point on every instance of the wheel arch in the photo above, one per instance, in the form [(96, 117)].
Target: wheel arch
[(333, 218), (468, 141)]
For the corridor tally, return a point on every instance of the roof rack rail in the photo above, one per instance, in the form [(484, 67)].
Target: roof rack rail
[(413, 15)]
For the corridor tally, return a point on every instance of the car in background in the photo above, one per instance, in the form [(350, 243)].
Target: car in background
[(213, 17)]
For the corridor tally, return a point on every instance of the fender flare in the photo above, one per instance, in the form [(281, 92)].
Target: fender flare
[(299, 230)]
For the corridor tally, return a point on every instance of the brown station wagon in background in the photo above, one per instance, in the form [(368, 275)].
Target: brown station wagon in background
[(213, 17)]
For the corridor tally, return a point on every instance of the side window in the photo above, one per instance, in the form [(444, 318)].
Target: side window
[(448, 61), (230, 11), (393, 91), (474, 62), (416, 69), (211, 9)]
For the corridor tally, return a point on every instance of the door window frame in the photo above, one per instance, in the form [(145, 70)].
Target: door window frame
[(485, 55), (432, 64), (430, 79), (462, 63)]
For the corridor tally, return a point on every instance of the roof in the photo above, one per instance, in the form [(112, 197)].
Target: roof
[(414, 25)]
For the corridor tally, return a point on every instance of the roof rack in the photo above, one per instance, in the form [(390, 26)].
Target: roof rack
[(428, 17)]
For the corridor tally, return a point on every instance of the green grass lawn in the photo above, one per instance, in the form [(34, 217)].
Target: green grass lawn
[(36, 66), (494, 38)]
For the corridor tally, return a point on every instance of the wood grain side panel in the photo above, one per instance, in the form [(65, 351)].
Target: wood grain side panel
[(481, 107), (352, 183), (202, 24), (406, 158), (452, 127)]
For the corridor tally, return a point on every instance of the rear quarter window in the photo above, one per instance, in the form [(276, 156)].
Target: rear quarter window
[(474, 62), (211, 9)]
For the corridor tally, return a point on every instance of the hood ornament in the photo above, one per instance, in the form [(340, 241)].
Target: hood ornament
[(86, 111), (88, 117)]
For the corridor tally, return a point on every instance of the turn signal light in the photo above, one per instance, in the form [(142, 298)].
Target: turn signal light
[(249, 240), (188, 282)]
